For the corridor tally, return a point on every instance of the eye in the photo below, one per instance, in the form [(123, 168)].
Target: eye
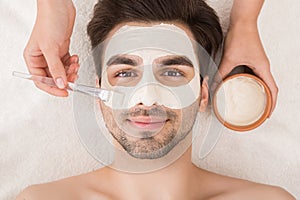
[(125, 74), (173, 73)]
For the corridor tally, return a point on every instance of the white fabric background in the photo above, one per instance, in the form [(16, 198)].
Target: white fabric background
[(38, 141)]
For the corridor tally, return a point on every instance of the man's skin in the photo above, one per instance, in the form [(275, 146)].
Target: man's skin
[(178, 180), (181, 180)]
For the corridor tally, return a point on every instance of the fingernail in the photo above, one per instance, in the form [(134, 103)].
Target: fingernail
[(60, 83), (76, 59)]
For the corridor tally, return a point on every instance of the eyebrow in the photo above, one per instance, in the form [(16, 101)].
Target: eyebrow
[(121, 59), (176, 60)]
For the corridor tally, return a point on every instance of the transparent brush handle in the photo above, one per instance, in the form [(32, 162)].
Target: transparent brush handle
[(42, 79), (104, 95)]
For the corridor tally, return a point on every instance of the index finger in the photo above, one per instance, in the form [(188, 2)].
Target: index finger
[(56, 66), (49, 89)]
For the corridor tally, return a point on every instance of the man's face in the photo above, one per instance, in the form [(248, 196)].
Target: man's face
[(159, 114)]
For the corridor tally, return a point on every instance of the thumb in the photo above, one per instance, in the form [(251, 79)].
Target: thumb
[(56, 67)]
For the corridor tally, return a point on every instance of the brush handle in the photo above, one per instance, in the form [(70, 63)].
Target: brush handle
[(104, 95), (42, 79)]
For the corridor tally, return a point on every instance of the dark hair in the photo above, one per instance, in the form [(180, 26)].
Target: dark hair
[(196, 14)]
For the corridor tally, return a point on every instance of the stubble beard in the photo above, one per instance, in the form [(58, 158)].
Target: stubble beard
[(177, 127)]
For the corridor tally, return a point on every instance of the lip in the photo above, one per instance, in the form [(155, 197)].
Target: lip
[(147, 122)]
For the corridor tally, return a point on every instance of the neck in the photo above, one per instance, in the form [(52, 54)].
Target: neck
[(173, 180)]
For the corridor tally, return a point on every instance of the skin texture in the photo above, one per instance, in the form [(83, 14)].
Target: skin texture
[(47, 51), (46, 54), (179, 180), (128, 125), (163, 141)]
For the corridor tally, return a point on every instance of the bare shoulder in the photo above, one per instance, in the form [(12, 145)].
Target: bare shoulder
[(237, 189), (258, 192), (31, 193), (84, 186), (53, 190), (271, 192), (68, 188)]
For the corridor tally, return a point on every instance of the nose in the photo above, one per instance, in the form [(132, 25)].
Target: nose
[(147, 95), (153, 94)]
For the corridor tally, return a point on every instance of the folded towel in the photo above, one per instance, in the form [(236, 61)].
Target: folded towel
[(36, 147)]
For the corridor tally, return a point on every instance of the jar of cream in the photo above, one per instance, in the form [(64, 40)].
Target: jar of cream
[(242, 101)]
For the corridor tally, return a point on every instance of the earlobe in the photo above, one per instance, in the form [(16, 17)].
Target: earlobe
[(204, 95)]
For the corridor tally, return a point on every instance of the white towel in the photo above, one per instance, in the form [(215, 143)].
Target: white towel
[(36, 147)]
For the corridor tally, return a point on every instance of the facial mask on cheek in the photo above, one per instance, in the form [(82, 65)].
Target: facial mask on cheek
[(151, 43)]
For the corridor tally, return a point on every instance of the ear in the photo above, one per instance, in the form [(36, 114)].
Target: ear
[(204, 95), (97, 85), (98, 82)]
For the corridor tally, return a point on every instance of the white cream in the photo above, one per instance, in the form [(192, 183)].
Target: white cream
[(244, 100), (150, 43)]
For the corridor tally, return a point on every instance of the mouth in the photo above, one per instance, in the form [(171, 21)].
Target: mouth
[(147, 123)]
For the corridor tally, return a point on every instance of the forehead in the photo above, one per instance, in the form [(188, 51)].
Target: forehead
[(182, 26), (159, 40)]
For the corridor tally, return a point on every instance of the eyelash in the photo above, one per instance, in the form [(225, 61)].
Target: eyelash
[(178, 72), (124, 74), (166, 72)]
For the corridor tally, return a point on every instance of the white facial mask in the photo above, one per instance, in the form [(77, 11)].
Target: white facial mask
[(244, 101), (150, 43)]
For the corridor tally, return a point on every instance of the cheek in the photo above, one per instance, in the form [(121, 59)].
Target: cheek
[(102, 107), (189, 114), (107, 114), (113, 119)]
